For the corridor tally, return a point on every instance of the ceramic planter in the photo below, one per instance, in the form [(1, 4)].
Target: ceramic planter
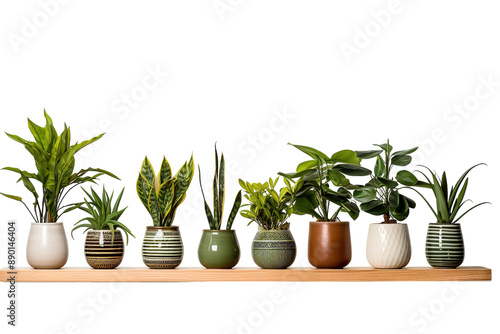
[(388, 246), (162, 247), (444, 247), (101, 251), (219, 249), (329, 244), (47, 246), (274, 249)]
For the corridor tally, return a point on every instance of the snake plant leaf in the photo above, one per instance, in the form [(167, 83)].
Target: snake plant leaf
[(345, 156), (401, 160), (222, 193), (234, 211), (154, 209), (312, 152), (215, 195), (379, 169), (405, 152), (208, 212), (143, 189), (148, 172), (165, 172), (406, 178), (166, 196), (368, 154)]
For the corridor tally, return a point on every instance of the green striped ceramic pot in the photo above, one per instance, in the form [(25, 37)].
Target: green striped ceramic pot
[(219, 249), (162, 247), (444, 247), (274, 249), (102, 251)]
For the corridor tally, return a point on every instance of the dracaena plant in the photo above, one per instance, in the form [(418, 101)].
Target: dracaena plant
[(215, 219), (102, 213), (449, 201), (55, 162), (381, 195), (162, 194), (322, 181), (267, 207)]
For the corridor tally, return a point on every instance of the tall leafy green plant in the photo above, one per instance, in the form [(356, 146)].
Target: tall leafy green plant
[(55, 162), (449, 201), (162, 194), (315, 181), (215, 219), (267, 207), (381, 196)]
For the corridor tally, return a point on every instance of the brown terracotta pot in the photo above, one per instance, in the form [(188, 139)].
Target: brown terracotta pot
[(329, 244)]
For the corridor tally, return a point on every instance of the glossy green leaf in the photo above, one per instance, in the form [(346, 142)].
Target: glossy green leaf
[(365, 194), (368, 154), (379, 169), (406, 178)]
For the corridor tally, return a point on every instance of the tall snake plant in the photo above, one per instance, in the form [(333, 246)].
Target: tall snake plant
[(215, 219), (162, 194)]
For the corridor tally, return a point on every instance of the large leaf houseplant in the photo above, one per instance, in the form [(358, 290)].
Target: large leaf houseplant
[(388, 244), (219, 248), (54, 157), (162, 194), (322, 190), (444, 247)]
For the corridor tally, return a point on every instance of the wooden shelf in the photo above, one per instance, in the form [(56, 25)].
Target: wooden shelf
[(350, 274)]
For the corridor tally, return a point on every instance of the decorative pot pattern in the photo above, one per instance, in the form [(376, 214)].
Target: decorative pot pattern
[(219, 249), (274, 249), (444, 247), (388, 246), (101, 252), (329, 244), (162, 247), (47, 246)]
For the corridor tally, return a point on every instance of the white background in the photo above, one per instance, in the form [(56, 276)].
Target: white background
[(231, 71)]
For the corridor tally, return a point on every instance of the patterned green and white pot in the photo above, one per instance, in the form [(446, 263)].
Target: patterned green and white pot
[(274, 249), (162, 247), (444, 246), (102, 251)]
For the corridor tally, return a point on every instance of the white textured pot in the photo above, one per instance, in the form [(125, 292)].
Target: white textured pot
[(388, 246), (47, 246)]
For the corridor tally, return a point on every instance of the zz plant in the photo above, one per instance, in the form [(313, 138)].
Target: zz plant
[(381, 195), (215, 219), (268, 208), (449, 201), (314, 189), (162, 194), (102, 213), (54, 157)]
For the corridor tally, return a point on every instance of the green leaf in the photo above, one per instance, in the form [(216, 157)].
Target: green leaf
[(337, 178), (379, 167), (312, 152), (352, 170), (148, 172), (387, 182), (368, 154), (165, 197), (405, 152), (345, 156), (365, 194), (299, 174), (165, 171), (222, 193), (234, 211), (394, 198), (16, 198), (401, 160), (306, 165), (406, 178), (375, 207), (402, 211), (385, 147), (154, 209), (143, 189), (351, 209), (304, 206)]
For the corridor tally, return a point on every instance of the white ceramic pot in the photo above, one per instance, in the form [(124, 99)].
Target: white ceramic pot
[(388, 246), (47, 246)]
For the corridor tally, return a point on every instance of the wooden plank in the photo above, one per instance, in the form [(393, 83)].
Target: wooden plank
[(350, 274)]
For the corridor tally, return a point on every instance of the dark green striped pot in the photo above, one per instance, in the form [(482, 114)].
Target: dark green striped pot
[(274, 249), (219, 249), (102, 251), (162, 247), (444, 247)]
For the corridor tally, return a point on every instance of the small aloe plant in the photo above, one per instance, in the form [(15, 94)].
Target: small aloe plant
[(162, 194), (448, 201), (215, 219), (103, 215)]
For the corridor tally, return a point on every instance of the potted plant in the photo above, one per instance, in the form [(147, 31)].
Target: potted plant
[(55, 162), (273, 246), (104, 242), (321, 184), (388, 244), (161, 195), (444, 247), (219, 249)]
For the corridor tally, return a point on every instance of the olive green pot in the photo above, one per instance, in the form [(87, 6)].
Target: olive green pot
[(219, 249), (274, 249)]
